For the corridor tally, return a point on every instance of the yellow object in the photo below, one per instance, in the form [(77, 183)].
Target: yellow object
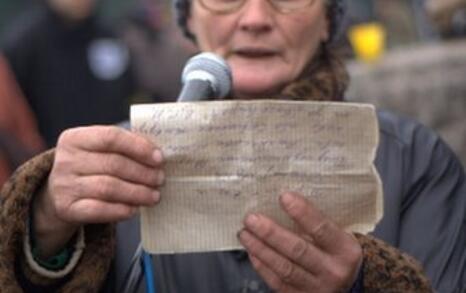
[(368, 41)]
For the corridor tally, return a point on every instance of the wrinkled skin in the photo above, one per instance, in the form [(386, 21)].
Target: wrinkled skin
[(265, 49), (319, 257), (100, 175)]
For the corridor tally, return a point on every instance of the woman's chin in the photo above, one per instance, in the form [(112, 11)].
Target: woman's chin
[(253, 89), (251, 94)]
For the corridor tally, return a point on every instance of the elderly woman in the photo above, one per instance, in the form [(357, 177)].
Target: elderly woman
[(56, 208)]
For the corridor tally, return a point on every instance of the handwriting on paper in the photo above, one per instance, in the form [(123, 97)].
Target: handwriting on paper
[(225, 159)]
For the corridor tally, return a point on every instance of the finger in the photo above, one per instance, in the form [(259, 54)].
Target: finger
[(326, 234), (114, 190), (89, 163), (269, 277), (112, 139), (287, 243), (287, 271), (87, 211)]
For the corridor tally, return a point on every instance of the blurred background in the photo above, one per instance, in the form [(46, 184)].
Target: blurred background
[(408, 56)]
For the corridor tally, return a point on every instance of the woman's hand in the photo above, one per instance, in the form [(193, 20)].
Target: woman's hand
[(319, 258), (100, 175)]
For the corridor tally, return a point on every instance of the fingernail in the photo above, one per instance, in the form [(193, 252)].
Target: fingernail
[(252, 221), (243, 236), (157, 156), (156, 196), (160, 178), (246, 239), (287, 198)]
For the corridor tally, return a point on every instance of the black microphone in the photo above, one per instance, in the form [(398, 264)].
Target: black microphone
[(205, 76)]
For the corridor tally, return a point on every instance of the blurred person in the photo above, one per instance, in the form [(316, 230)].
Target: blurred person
[(72, 70), (449, 16), (158, 50), (397, 18), (56, 226), (19, 136)]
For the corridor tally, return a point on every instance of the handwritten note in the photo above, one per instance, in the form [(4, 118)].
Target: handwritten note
[(225, 159)]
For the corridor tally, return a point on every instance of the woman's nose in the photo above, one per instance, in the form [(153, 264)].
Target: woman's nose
[(256, 16)]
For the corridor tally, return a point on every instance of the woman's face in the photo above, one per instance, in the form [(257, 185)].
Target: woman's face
[(266, 49), (73, 9)]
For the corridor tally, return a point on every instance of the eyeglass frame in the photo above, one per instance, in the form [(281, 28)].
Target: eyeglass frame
[(273, 3)]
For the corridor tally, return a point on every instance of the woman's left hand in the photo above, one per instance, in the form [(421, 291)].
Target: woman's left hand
[(320, 257)]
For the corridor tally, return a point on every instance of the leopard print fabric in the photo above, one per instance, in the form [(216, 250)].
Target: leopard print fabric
[(388, 270), (16, 198), (326, 79)]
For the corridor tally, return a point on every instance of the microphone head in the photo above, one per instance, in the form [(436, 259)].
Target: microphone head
[(211, 68)]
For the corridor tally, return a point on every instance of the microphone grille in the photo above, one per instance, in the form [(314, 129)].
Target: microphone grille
[(214, 65)]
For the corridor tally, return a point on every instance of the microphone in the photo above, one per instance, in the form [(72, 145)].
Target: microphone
[(205, 76)]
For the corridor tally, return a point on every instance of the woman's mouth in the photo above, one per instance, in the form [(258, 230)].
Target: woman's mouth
[(255, 52)]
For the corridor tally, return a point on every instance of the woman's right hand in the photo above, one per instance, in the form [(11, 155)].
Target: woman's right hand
[(101, 174)]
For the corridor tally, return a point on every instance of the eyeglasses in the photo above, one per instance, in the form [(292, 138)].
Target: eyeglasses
[(229, 6)]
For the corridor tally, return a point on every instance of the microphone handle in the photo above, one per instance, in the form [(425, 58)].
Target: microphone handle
[(195, 90)]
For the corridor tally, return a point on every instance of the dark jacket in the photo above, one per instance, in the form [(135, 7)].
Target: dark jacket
[(71, 75), (425, 208)]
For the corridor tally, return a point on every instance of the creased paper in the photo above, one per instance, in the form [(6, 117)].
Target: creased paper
[(225, 159)]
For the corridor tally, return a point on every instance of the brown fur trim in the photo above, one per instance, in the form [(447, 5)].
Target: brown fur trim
[(94, 266), (14, 210), (16, 196), (386, 269), (326, 79)]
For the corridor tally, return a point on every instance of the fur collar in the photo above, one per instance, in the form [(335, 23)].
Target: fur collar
[(324, 79)]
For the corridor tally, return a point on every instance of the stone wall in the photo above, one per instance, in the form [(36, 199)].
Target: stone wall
[(425, 82)]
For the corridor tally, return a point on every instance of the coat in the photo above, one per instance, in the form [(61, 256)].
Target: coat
[(424, 216)]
